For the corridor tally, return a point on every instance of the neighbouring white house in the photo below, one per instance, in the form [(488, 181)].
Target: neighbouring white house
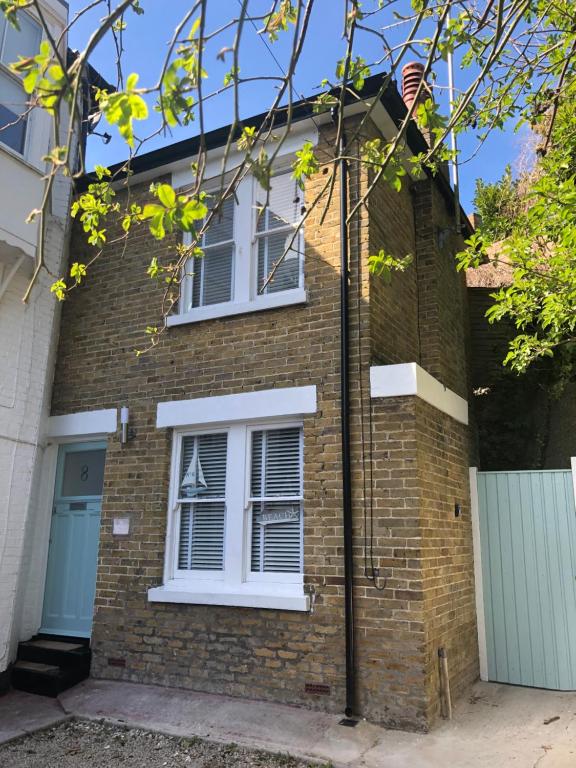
[(28, 330)]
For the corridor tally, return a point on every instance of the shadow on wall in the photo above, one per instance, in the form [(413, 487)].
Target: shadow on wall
[(523, 421)]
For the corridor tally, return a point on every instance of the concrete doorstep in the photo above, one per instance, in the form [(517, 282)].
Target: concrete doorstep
[(496, 726)]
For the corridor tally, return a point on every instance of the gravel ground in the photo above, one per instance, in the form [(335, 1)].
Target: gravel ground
[(79, 744)]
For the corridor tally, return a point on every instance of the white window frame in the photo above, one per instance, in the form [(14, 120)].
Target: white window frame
[(245, 296), (6, 72), (236, 584)]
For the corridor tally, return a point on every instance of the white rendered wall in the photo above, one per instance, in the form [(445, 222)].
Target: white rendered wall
[(28, 340)]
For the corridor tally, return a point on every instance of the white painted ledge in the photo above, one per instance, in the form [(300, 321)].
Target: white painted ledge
[(285, 597), (266, 404), (260, 303), (409, 379), (99, 422)]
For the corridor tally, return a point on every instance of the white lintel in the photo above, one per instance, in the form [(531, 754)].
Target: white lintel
[(245, 406), (100, 422), (409, 379)]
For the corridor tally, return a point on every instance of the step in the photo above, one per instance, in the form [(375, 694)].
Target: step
[(32, 666), (56, 645), (44, 679), (58, 652)]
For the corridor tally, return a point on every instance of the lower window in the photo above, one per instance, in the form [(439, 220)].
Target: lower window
[(236, 514)]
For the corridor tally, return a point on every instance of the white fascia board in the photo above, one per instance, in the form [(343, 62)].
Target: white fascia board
[(301, 131), (409, 379), (298, 134), (100, 422), (245, 406), (280, 597)]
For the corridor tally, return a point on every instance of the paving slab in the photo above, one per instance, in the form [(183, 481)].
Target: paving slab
[(22, 713)]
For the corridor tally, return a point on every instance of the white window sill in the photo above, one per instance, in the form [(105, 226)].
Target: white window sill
[(265, 301), (285, 597), (22, 159)]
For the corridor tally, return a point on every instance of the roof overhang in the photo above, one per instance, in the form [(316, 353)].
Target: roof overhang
[(388, 114)]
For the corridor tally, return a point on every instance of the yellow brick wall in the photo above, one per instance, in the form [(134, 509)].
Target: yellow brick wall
[(243, 651)]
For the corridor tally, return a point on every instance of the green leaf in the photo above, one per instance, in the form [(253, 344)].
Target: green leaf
[(166, 195)]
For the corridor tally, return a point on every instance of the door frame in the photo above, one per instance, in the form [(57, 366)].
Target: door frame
[(479, 586), (52, 472), (41, 541)]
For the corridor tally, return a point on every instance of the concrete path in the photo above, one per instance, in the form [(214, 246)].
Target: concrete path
[(22, 713), (496, 726)]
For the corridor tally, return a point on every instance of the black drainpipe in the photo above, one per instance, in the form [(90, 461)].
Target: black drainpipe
[(345, 421)]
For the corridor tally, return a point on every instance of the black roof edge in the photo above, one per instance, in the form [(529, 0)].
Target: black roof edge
[(93, 76), (302, 109)]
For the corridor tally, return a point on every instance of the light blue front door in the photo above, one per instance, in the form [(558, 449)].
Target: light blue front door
[(74, 533)]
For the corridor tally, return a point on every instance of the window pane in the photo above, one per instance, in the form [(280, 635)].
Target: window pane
[(270, 250), (276, 462), (284, 203), (12, 106), (25, 42), (222, 226), (83, 473), (276, 537), (213, 276), (203, 468), (201, 545)]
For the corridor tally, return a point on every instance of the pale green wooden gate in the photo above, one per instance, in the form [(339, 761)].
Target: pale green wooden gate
[(528, 554)]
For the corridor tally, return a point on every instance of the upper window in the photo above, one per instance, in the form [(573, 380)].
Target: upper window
[(13, 99), (239, 534), (253, 254)]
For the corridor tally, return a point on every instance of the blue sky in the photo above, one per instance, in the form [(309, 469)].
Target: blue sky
[(145, 42)]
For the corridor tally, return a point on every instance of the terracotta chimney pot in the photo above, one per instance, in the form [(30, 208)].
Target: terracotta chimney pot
[(412, 74)]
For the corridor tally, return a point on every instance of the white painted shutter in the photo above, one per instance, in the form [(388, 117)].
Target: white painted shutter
[(276, 495), (212, 282), (201, 544), (276, 226)]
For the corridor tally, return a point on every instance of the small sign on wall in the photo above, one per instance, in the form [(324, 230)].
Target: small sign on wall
[(121, 526)]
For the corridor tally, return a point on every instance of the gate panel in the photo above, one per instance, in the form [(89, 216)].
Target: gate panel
[(528, 545)]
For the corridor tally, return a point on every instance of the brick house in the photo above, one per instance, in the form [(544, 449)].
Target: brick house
[(227, 560)]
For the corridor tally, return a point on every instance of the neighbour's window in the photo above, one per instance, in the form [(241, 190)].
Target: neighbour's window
[(239, 504), (279, 244), (13, 99)]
